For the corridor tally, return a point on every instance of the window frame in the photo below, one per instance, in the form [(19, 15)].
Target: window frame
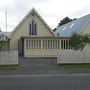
[(33, 29)]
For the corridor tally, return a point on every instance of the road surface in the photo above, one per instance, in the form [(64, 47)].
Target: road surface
[(45, 82)]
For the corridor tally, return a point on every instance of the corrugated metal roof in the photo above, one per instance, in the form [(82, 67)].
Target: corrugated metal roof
[(75, 26)]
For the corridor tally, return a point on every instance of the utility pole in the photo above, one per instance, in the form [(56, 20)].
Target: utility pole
[(6, 28)]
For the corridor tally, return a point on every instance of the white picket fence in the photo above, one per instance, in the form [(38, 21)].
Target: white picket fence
[(71, 56), (8, 57)]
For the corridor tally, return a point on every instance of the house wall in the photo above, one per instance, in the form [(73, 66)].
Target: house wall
[(23, 30), (86, 48), (87, 29)]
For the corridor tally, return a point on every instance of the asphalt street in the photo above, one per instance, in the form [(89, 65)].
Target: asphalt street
[(45, 82)]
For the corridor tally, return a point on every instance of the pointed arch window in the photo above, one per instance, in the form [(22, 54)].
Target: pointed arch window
[(33, 28)]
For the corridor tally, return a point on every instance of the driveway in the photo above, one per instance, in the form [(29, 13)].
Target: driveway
[(38, 65)]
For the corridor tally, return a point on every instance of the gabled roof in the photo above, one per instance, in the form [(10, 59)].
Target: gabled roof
[(33, 10), (75, 26)]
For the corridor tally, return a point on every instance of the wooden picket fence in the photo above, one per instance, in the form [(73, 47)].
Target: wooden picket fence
[(71, 56), (9, 58)]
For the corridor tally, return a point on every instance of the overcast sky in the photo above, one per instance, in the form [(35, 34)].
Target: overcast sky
[(52, 11)]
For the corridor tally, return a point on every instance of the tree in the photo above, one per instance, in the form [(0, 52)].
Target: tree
[(0, 29), (2, 42), (54, 29), (78, 42), (64, 21)]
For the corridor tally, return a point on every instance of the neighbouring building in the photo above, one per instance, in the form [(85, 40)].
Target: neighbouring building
[(4, 41), (32, 37), (80, 26)]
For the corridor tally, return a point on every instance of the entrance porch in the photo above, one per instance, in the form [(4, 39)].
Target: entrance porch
[(44, 46)]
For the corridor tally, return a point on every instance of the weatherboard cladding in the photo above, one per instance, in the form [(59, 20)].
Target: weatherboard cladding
[(75, 26)]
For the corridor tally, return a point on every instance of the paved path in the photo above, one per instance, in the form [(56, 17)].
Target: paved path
[(45, 82), (39, 65)]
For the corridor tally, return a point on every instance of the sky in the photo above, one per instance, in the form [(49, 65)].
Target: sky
[(52, 11)]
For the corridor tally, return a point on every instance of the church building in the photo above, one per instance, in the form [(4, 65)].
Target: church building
[(33, 37)]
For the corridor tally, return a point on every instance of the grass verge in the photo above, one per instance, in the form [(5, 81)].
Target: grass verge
[(74, 68), (74, 65), (8, 67)]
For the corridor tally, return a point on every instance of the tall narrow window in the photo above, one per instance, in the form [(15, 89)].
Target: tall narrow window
[(33, 28)]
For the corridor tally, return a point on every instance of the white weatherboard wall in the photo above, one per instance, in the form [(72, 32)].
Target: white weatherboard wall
[(9, 58), (71, 56)]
